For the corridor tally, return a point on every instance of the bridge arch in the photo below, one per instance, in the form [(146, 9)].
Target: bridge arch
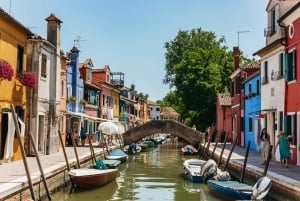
[(162, 126)]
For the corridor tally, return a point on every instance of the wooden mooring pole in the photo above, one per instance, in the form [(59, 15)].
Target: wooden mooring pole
[(245, 162), (224, 145), (40, 166), (22, 151), (229, 156)]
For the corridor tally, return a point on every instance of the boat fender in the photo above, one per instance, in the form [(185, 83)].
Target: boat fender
[(261, 188)]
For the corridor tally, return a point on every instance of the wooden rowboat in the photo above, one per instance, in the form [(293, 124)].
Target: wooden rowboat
[(86, 177)]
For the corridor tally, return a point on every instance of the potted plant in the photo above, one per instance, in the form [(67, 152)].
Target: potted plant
[(83, 102), (28, 79), (6, 71), (72, 99)]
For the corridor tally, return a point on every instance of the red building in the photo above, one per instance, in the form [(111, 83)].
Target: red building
[(224, 116), (291, 22)]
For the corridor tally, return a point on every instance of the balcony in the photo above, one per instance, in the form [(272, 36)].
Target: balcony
[(269, 31), (276, 75)]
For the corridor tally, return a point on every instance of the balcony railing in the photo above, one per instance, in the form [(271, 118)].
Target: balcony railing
[(269, 31), (276, 75)]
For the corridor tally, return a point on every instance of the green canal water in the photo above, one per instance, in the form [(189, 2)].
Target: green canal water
[(156, 175)]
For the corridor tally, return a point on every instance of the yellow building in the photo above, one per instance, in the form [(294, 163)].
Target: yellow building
[(13, 46)]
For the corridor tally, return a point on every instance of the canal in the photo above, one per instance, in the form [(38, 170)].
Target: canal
[(154, 175)]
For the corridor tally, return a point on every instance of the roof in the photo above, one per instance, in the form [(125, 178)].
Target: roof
[(168, 112), (252, 66), (9, 18), (224, 99), (149, 102)]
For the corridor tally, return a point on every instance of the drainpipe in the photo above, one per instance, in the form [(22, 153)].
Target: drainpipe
[(31, 95), (283, 40)]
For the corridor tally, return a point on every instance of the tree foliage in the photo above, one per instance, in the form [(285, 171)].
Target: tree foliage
[(198, 66)]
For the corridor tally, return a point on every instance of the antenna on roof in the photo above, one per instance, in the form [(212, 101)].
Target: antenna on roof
[(239, 32), (76, 42)]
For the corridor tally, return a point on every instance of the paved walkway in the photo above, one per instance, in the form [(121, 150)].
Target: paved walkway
[(13, 174)]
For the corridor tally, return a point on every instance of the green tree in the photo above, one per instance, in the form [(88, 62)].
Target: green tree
[(198, 66)]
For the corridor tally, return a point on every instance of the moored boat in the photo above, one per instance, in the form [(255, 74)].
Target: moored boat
[(236, 190), (189, 150), (117, 154), (192, 169), (89, 177), (133, 148)]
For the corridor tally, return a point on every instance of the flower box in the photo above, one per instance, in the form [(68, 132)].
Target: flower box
[(6, 71), (28, 79)]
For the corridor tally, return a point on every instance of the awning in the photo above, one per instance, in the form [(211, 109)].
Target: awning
[(85, 116)]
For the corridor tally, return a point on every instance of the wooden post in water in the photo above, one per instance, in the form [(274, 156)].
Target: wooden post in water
[(64, 150), (224, 145), (40, 166), (75, 150), (210, 134), (213, 152), (268, 160), (229, 156), (245, 162), (92, 151), (22, 151)]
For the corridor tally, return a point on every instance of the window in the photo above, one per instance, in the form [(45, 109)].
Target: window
[(242, 124), (250, 124), (44, 66), (280, 121), (257, 87), (266, 72), (63, 89), (290, 68), (273, 21), (69, 91), (290, 128), (281, 64), (20, 60), (250, 88), (157, 109)]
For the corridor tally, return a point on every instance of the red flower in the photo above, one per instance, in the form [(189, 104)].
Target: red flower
[(6, 70), (28, 79)]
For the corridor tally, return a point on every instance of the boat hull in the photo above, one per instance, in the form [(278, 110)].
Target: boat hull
[(192, 170), (231, 189), (86, 177)]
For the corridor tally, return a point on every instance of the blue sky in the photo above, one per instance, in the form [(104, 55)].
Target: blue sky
[(129, 35)]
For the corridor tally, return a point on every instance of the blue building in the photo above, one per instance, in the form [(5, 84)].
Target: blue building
[(252, 101)]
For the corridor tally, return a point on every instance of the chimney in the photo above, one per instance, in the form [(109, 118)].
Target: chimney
[(53, 30), (236, 58)]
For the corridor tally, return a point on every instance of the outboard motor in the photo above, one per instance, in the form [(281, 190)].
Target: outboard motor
[(261, 188), (208, 170)]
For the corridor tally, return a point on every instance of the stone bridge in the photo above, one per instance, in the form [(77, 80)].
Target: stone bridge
[(162, 126)]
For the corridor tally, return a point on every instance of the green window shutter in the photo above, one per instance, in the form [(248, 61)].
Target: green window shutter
[(281, 121), (266, 71), (286, 67), (293, 64), (281, 64)]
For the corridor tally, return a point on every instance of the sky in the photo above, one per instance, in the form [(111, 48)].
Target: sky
[(129, 35)]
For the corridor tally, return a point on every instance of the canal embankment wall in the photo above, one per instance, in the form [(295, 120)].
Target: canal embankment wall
[(14, 184)]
